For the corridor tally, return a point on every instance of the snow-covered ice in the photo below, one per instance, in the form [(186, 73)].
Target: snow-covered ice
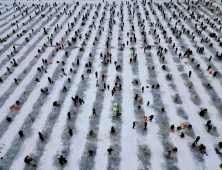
[(132, 35)]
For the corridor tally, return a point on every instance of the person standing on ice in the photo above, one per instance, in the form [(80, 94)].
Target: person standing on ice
[(209, 128), (142, 89), (8, 69), (96, 74), (15, 64), (215, 74), (60, 161), (74, 100), (77, 61), (113, 92), (1, 80), (50, 81), (190, 72), (70, 131), (16, 81), (41, 137), (94, 111), (197, 139), (145, 125), (69, 115), (172, 128), (134, 123), (80, 101), (21, 134), (208, 123), (191, 84), (208, 68), (136, 97)]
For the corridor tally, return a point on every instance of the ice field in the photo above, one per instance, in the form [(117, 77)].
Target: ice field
[(156, 58)]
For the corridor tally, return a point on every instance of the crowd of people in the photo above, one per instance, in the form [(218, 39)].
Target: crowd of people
[(107, 60)]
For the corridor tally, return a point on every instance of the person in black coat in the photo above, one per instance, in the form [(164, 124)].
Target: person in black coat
[(110, 151), (21, 134), (145, 125), (172, 128), (41, 137), (16, 81), (134, 123), (50, 81), (70, 131), (208, 123), (190, 72), (69, 115), (215, 74), (197, 139), (60, 161), (208, 68), (113, 130)]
